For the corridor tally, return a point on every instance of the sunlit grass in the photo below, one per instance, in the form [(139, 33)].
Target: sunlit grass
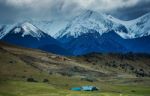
[(22, 88)]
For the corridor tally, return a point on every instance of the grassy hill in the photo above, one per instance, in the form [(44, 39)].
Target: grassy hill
[(30, 72)]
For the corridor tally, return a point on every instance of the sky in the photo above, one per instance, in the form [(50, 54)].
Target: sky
[(17, 10)]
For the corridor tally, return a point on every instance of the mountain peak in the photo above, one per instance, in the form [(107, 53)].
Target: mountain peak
[(26, 28), (31, 29), (140, 26), (89, 14), (89, 20)]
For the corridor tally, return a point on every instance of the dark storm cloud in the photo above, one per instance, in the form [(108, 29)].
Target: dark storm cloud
[(16, 10), (7, 13), (132, 12)]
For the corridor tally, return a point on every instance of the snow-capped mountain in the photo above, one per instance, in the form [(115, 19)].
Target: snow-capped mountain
[(141, 26), (136, 28), (90, 20), (97, 32), (89, 32), (48, 27), (27, 35), (92, 32), (25, 28), (103, 23), (4, 29)]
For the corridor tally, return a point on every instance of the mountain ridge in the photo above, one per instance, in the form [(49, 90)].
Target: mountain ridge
[(91, 31), (48, 26)]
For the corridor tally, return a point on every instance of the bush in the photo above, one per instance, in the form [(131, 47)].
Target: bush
[(31, 80), (89, 79), (133, 91), (45, 80), (11, 62)]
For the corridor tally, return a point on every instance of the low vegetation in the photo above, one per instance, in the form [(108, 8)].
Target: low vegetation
[(28, 72)]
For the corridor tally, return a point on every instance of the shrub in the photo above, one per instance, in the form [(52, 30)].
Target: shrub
[(133, 91), (11, 62), (31, 80), (89, 79), (45, 80)]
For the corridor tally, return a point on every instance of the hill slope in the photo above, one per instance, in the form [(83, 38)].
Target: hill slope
[(25, 62), (52, 74)]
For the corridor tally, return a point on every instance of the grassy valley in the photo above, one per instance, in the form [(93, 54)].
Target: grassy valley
[(31, 72)]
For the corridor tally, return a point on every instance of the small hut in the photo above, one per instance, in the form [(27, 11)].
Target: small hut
[(76, 89), (84, 88), (89, 88)]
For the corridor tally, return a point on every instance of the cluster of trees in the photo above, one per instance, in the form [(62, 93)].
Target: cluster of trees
[(34, 80), (132, 56), (141, 73), (128, 68)]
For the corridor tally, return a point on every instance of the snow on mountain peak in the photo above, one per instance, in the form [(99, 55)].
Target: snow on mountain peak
[(136, 28), (25, 28), (140, 26), (5, 29), (29, 29), (89, 20)]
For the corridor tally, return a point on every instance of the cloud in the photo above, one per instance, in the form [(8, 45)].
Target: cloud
[(107, 4), (16, 10), (85, 4), (132, 12)]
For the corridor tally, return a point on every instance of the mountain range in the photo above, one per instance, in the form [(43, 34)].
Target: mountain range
[(89, 32)]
